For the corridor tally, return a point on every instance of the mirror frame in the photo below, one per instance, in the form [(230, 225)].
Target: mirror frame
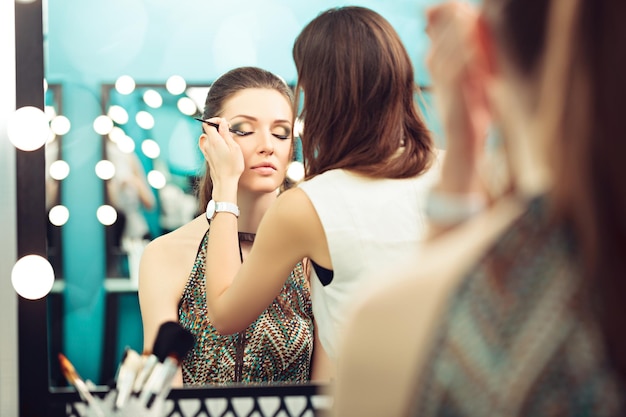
[(36, 396)]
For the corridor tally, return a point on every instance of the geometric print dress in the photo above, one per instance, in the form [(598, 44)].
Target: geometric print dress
[(520, 335), (276, 347)]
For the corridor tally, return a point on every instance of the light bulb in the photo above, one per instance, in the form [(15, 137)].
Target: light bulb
[(59, 170), (103, 125), (187, 106), (105, 170), (144, 120), (32, 277), (60, 125), (125, 84), (107, 215), (156, 179), (58, 215), (295, 171), (175, 85), (150, 148), (28, 128)]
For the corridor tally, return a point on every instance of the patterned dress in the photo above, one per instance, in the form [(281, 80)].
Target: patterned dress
[(518, 338), (276, 347)]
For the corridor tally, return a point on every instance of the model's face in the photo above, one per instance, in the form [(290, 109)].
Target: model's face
[(266, 152)]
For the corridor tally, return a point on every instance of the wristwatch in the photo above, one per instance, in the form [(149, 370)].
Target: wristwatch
[(215, 207)]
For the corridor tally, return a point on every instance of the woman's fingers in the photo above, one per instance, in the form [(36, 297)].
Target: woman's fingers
[(222, 152)]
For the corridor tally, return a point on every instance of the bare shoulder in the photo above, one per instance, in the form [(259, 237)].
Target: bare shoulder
[(293, 221), (172, 255), (294, 206)]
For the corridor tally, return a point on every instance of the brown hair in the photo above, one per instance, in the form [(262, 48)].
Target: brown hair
[(583, 87), (221, 90), (358, 91)]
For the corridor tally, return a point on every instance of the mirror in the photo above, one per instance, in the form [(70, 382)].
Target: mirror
[(89, 46)]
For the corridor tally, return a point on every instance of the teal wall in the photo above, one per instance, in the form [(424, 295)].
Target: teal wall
[(91, 42)]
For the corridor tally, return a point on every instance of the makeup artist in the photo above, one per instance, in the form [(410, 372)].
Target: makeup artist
[(529, 318), (278, 343), (366, 148)]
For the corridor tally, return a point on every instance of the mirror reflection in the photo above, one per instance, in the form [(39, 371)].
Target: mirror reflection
[(144, 161)]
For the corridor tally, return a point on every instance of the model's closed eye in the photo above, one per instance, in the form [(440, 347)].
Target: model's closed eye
[(281, 132), (242, 129)]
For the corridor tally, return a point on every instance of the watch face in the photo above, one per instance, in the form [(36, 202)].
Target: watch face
[(210, 210)]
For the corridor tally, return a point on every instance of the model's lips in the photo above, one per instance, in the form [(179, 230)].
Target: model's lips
[(265, 165)]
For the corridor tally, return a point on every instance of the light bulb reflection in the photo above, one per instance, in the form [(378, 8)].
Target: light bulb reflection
[(59, 170), (118, 114), (175, 85), (150, 148), (125, 84), (187, 106), (58, 215), (105, 170), (295, 171), (156, 179), (60, 125), (144, 120), (106, 215), (103, 125), (152, 98)]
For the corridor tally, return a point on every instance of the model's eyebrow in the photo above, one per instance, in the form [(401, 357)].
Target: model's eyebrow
[(254, 119)]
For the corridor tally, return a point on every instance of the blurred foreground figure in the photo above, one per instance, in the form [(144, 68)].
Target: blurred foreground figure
[(514, 309)]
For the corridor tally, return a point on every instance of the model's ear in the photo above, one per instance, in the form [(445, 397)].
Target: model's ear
[(202, 142), (484, 40)]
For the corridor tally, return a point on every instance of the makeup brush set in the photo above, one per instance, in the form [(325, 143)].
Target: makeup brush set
[(143, 381)]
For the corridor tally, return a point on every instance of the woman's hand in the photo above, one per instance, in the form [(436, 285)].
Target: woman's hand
[(225, 160), (459, 89)]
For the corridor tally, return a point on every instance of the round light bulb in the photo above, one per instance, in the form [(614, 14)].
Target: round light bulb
[(105, 170), (28, 128), (116, 134), (144, 120), (156, 179), (150, 148), (187, 106), (126, 144), (60, 125), (175, 85), (58, 215), (295, 171), (125, 84), (103, 125), (107, 215), (152, 98), (59, 170), (32, 277), (118, 114)]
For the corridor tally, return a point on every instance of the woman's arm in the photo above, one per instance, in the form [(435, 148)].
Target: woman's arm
[(159, 292), (236, 293)]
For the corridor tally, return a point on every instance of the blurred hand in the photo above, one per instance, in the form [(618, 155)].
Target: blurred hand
[(459, 92), (225, 160)]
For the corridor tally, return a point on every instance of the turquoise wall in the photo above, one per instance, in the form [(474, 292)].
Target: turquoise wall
[(92, 42)]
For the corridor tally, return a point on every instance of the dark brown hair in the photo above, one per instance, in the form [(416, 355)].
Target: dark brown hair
[(585, 82), (221, 90), (358, 90)]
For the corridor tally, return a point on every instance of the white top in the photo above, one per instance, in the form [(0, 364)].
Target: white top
[(371, 225)]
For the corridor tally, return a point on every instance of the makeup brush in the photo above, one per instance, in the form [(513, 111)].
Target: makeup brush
[(171, 345), (129, 368), (217, 127), (73, 378)]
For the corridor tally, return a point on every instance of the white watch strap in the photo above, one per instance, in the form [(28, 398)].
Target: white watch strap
[(222, 206)]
